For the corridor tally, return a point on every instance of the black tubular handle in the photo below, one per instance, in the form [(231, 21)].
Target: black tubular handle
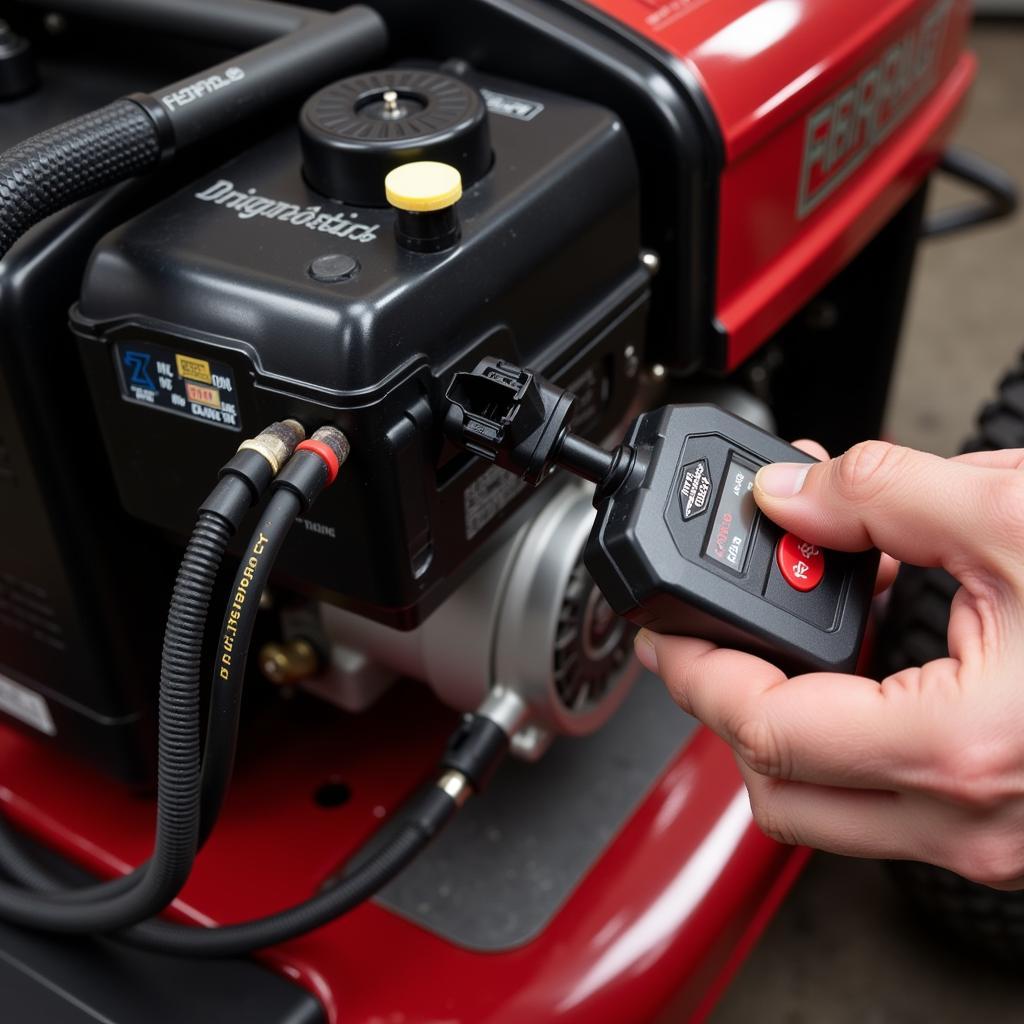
[(204, 104), (237, 23), (296, 50), (45, 173)]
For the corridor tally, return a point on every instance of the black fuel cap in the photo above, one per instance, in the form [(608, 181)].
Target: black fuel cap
[(354, 132)]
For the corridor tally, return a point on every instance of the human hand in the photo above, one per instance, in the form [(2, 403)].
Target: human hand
[(928, 764)]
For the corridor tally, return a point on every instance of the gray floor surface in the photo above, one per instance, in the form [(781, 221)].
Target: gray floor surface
[(844, 949)]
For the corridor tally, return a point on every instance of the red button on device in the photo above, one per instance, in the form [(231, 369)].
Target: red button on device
[(802, 565)]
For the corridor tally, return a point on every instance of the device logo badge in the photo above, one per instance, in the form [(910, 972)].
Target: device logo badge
[(342, 223), (695, 490), (202, 87), (137, 365)]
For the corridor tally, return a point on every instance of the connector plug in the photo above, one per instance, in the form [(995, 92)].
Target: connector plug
[(332, 446), (509, 416), (315, 464), (276, 443), (245, 477), (496, 405)]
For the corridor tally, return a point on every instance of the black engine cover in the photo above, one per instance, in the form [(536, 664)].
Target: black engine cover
[(248, 297)]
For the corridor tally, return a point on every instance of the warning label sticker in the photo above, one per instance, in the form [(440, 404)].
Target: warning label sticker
[(511, 106), (486, 496), (201, 389), (193, 369)]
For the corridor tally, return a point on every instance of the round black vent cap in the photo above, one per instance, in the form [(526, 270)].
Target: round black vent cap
[(354, 132)]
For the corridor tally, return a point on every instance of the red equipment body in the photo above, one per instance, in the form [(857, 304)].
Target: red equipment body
[(652, 933), (831, 114)]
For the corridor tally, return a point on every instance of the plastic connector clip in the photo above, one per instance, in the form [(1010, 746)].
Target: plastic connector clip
[(509, 416)]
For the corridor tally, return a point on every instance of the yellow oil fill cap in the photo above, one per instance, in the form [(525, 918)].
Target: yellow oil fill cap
[(423, 186)]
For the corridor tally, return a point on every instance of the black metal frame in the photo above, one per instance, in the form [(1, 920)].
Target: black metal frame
[(998, 188)]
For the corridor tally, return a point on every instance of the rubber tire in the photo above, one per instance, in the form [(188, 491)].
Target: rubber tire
[(987, 922)]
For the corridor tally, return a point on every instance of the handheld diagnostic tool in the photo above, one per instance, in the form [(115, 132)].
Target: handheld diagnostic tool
[(682, 548), (679, 545)]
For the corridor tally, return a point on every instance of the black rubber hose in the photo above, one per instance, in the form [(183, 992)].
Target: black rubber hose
[(429, 813), (80, 157), (473, 752), (228, 679), (223, 717), (23, 868), (243, 481), (76, 159), (434, 810), (222, 721), (116, 905), (233, 650)]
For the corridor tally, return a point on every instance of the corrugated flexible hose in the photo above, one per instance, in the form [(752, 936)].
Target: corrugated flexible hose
[(76, 159), (111, 906)]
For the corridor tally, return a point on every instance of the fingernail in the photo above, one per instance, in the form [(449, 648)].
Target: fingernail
[(643, 644), (782, 479)]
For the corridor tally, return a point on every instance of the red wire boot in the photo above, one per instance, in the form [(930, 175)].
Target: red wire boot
[(315, 464)]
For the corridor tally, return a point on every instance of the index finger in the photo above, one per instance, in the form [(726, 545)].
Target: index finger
[(888, 566), (917, 507)]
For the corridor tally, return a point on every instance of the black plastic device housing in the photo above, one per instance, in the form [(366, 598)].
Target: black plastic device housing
[(650, 548), (67, 531), (84, 587), (64, 521), (547, 273), (574, 47)]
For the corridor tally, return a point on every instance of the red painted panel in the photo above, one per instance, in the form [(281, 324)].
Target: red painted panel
[(653, 929), (831, 113)]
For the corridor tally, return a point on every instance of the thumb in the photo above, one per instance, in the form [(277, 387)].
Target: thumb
[(917, 507)]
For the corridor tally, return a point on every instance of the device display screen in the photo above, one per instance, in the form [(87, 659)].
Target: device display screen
[(734, 518)]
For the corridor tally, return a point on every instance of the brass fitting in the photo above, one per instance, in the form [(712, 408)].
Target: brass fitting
[(289, 663), (276, 443)]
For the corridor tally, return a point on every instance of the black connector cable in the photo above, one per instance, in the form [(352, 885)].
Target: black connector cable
[(312, 468), (472, 755), (113, 905), (132, 135)]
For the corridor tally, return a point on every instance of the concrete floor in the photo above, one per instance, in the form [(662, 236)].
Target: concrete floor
[(844, 949)]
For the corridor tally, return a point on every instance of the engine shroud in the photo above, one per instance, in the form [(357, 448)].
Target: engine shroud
[(248, 297)]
